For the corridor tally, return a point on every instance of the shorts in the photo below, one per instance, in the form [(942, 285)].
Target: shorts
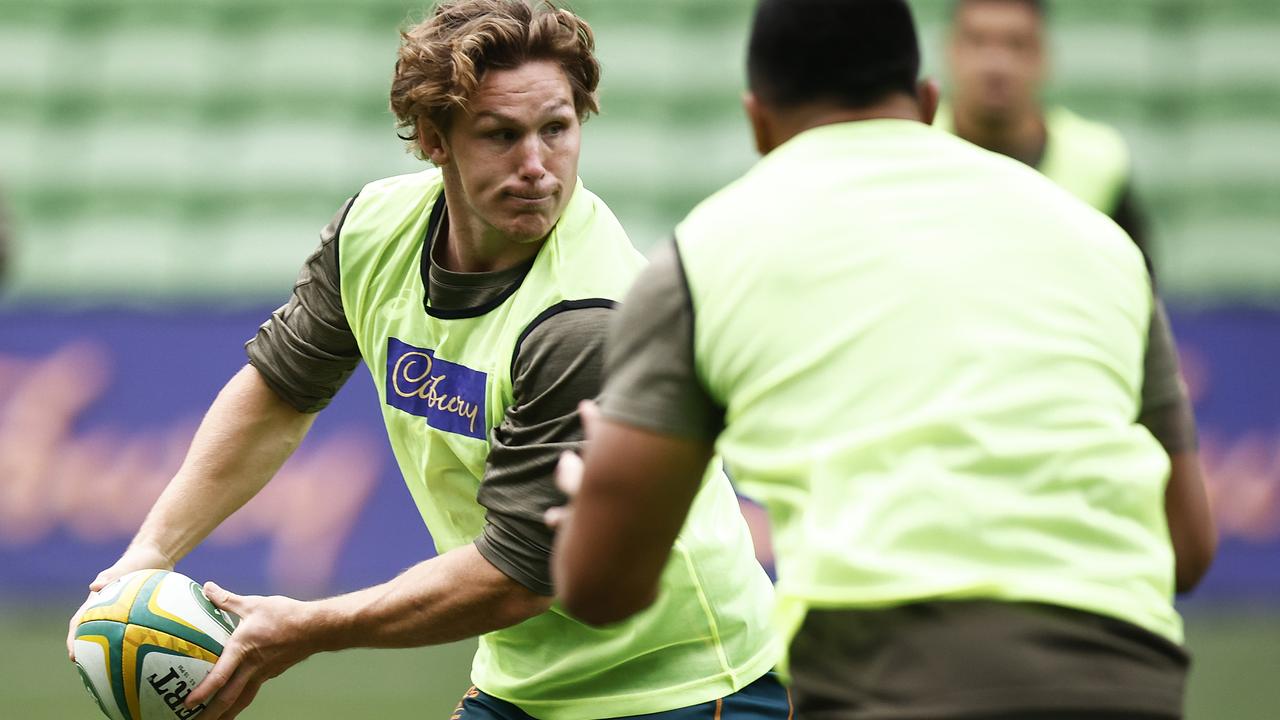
[(764, 699)]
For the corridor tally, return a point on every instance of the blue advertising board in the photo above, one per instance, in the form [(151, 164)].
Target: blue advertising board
[(97, 408)]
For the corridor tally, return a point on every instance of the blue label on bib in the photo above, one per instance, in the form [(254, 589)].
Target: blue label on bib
[(450, 396)]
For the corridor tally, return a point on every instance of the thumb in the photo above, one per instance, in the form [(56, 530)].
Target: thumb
[(555, 517), (591, 418), (222, 599), (569, 474), (104, 579)]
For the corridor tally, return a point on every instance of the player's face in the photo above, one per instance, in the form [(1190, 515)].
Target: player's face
[(996, 56), (513, 153)]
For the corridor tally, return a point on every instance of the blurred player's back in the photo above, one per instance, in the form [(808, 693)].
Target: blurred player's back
[(930, 360), (959, 344)]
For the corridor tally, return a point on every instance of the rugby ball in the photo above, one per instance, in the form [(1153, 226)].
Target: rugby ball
[(145, 641)]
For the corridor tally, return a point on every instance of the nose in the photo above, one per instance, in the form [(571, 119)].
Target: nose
[(532, 166)]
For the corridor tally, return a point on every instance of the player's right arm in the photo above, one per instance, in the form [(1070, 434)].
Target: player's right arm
[(245, 437), (298, 360)]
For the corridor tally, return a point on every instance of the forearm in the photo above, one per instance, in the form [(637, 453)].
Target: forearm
[(637, 488), (1191, 527), (451, 597), (243, 440)]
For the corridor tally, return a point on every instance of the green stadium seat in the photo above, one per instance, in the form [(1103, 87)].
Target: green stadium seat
[(152, 149)]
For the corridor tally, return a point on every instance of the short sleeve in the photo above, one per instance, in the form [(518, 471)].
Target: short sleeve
[(1166, 407), (556, 367), (305, 351), (651, 380)]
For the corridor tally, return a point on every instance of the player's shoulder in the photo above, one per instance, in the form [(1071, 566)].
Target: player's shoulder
[(1085, 135), (391, 202), (398, 196), (419, 181), (593, 235), (1037, 200), (730, 208), (971, 180), (589, 213), (994, 185)]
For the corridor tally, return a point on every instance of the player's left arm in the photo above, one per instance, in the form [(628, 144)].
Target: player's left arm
[(646, 454), (1167, 413), (634, 490)]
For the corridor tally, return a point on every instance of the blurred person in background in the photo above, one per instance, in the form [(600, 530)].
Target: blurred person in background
[(997, 60), (937, 370), (478, 292)]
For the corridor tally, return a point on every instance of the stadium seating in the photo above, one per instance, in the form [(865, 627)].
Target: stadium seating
[(157, 150)]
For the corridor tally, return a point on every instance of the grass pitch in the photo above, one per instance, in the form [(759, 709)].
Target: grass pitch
[(1236, 664)]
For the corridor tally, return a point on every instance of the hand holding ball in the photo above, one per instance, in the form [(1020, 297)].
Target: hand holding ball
[(145, 641)]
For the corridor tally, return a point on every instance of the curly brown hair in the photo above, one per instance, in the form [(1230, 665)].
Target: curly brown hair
[(443, 59)]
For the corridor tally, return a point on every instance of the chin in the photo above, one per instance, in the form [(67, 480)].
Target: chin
[(995, 113), (526, 230)]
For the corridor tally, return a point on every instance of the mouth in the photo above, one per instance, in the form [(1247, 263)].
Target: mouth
[(524, 201), (527, 199)]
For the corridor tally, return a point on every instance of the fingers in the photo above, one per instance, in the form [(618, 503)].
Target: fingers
[(233, 697), (555, 516), (105, 577), (591, 417), (568, 479), (134, 559), (112, 573), (263, 646), (71, 637), (223, 599), (138, 557), (569, 474), (71, 629), (219, 682), (246, 698)]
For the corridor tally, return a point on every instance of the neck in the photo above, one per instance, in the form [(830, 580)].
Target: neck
[(794, 121), (1020, 136), (467, 244)]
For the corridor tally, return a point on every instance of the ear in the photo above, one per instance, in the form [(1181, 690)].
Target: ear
[(928, 95), (431, 142), (759, 118)]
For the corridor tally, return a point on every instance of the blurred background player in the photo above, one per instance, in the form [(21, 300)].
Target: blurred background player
[(997, 63), (943, 375), (478, 293)]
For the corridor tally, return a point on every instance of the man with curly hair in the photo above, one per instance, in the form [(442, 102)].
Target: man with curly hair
[(477, 292)]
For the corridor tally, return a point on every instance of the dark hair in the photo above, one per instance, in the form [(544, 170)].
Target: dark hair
[(851, 52), (1040, 7)]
